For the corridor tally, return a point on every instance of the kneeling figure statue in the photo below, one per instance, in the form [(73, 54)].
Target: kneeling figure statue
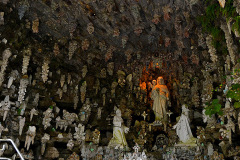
[(119, 130)]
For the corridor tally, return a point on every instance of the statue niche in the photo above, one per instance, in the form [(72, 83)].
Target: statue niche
[(160, 95)]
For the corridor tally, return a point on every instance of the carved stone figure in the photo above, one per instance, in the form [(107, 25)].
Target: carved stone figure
[(119, 130), (160, 95), (183, 127)]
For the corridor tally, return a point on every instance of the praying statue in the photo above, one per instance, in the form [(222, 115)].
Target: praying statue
[(182, 127), (160, 95), (119, 130)]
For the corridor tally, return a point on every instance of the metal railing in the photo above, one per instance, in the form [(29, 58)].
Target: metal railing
[(14, 145)]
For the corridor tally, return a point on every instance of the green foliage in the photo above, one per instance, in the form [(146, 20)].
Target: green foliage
[(234, 94), (236, 25), (211, 18), (214, 108), (19, 111), (237, 105), (228, 11)]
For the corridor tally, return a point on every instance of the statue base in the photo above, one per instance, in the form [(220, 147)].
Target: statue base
[(187, 150), (157, 123), (192, 142)]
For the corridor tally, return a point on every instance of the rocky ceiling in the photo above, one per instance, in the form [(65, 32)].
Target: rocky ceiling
[(130, 32)]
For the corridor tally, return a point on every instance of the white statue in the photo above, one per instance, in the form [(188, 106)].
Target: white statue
[(31, 133), (119, 130), (182, 127), (160, 95)]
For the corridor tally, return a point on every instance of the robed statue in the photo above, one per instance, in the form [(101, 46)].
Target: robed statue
[(119, 130), (160, 95)]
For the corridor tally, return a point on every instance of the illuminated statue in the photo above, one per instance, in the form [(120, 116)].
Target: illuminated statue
[(160, 95), (119, 131)]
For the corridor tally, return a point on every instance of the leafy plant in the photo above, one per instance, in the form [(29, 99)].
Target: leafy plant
[(214, 108), (234, 94), (211, 18)]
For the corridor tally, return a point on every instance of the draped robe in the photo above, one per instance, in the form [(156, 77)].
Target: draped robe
[(159, 96), (118, 133)]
